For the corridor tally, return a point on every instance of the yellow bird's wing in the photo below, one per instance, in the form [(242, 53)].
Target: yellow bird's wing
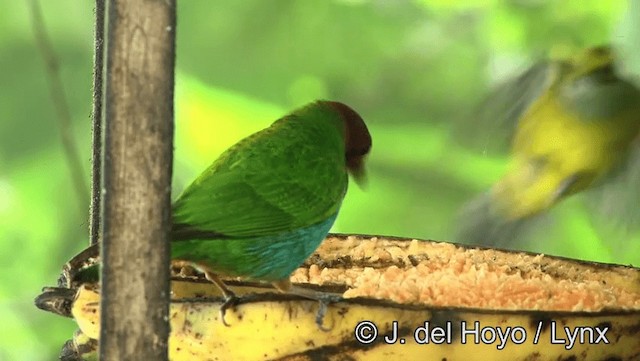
[(616, 201), (490, 126)]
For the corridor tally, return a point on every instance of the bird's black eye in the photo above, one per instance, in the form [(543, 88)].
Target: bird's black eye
[(601, 51), (605, 73)]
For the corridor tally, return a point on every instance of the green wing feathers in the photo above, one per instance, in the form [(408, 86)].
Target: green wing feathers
[(289, 175)]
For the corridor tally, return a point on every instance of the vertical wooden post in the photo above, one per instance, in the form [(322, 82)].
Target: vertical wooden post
[(95, 213), (137, 179)]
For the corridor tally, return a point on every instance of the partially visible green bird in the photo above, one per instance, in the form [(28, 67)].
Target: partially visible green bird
[(576, 129), (264, 206)]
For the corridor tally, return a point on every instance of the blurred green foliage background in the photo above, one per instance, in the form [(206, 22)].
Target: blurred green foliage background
[(413, 69)]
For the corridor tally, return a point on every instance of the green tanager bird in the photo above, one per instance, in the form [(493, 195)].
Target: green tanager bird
[(265, 205), (573, 134)]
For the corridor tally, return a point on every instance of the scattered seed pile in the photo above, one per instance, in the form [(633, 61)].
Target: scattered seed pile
[(443, 274)]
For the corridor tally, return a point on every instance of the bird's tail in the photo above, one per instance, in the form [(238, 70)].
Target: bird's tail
[(481, 223)]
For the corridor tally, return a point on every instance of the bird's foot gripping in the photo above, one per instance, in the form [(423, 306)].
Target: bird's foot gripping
[(322, 297), (230, 302), (230, 298), (325, 300)]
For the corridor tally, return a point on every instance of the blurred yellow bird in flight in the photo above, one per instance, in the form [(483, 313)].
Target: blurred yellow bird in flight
[(573, 134)]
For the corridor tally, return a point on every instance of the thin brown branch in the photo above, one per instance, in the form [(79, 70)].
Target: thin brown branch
[(56, 90), (96, 120)]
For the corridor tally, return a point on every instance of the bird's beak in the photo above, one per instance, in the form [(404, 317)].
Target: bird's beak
[(358, 171)]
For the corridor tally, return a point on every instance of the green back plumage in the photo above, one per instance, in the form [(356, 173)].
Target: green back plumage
[(287, 176)]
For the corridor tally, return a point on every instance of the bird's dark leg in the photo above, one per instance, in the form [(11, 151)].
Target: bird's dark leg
[(230, 298), (569, 184), (323, 298)]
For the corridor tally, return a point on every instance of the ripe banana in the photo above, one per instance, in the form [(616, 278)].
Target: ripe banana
[(381, 316)]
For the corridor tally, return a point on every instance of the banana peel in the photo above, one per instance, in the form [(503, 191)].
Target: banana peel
[(80, 348), (384, 322)]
